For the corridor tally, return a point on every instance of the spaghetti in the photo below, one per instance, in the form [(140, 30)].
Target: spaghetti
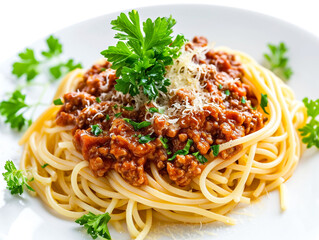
[(265, 160)]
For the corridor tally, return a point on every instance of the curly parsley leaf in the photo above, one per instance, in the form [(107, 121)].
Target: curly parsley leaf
[(139, 58), (54, 47), (62, 68), (145, 139), (137, 125), (278, 61), (183, 151), (310, 132), (200, 157), (27, 66), (96, 225), (13, 109), (16, 179), (264, 102)]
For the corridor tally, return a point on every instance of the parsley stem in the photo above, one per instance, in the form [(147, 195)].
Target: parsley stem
[(35, 106), (30, 84)]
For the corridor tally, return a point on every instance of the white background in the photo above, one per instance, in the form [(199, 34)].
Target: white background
[(24, 21)]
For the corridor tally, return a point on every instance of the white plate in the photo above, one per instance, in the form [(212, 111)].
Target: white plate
[(27, 218)]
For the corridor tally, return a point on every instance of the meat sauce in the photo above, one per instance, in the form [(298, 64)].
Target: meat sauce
[(118, 146)]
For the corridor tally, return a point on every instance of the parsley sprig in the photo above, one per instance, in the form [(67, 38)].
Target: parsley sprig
[(62, 68), (54, 47), (278, 61), (140, 58), (310, 132), (96, 225), (16, 179), (30, 66), (14, 108)]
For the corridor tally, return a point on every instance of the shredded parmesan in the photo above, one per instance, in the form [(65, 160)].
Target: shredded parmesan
[(185, 74)]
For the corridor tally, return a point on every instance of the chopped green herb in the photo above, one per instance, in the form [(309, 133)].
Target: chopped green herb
[(107, 117), (264, 102), (130, 108), (243, 100), (140, 59), (154, 110), (15, 178), (117, 114), (227, 93), (115, 106), (57, 101), (310, 132), (278, 61), (96, 130), (103, 69), (13, 110), (183, 151), (44, 165), (96, 225), (98, 100), (220, 87), (137, 125), (164, 141), (145, 139), (215, 149), (200, 157)]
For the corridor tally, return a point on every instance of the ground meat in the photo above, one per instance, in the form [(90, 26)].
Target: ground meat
[(74, 102), (121, 145), (100, 78), (225, 63), (95, 150), (183, 169)]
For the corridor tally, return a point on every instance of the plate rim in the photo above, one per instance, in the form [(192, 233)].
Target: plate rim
[(254, 13)]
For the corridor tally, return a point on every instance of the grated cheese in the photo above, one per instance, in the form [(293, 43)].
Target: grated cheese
[(184, 74)]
